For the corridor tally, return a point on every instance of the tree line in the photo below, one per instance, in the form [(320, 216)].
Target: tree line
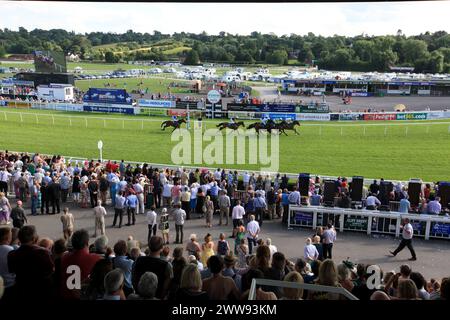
[(427, 52)]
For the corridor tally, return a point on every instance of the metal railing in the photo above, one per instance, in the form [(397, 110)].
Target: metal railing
[(293, 285), (369, 221)]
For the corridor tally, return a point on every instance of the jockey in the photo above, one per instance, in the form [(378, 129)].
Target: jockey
[(175, 119), (264, 119), (232, 121)]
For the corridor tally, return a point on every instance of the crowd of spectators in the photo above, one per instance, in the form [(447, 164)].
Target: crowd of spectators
[(40, 268)]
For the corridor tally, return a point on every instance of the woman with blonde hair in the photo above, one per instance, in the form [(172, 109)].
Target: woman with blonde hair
[(327, 277), (208, 210), (207, 249), (191, 285), (291, 293)]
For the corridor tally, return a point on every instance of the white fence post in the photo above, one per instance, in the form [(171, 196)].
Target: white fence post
[(53, 119), (85, 121), (314, 219), (427, 230), (341, 222), (369, 225), (6, 118), (142, 125)]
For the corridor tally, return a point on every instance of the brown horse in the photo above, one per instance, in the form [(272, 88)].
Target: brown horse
[(284, 125), (175, 124), (232, 126), (270, 125)]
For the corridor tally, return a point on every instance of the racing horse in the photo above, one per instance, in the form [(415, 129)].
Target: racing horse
[(284, 125), (269, 126), (170, 123), (232, 126)]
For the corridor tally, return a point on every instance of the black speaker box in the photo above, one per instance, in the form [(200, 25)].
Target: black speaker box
[(444, 194), (329, 192), (303, 182), (356, 188), (414, 189)]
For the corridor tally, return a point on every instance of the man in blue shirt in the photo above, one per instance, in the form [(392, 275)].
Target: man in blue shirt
[(122, 262), (285, 203), (214, 193), (260, 206), (434, 207), (65, 185), (315, 199), (405, 205), (119, 207), (131, 203)]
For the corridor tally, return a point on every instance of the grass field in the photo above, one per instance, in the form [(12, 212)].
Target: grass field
[(154, 85), (372, 150)]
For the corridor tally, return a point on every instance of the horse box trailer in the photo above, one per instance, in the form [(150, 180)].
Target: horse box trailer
[(60, 92)]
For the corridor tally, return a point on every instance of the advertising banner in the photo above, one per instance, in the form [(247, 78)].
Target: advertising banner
[(355, 223), (362, 94), (431, 115), (314, 108), (303, 217), (350, 116), (412, 116), (379, 116), (19, 104), (50, 62), (183, 113), (281, 116), (103, 95), (441, 229), (3, 103), (58, 106), (107, 109), (313, 117), (334, 116), (241, 115), (152, 111), (156, 103), (243, 107), (277, 108)]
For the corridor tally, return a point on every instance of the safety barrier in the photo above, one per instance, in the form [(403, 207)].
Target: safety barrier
[(368, 221)]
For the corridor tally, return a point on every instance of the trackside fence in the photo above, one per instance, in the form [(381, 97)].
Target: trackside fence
[(369, 221)]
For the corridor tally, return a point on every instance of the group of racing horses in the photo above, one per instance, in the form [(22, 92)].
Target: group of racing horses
[(270, 125)]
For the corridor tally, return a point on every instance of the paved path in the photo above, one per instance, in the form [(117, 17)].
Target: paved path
[(433, 255)]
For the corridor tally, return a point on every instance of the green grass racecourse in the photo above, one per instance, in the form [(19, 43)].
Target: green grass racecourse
[(371, 149)]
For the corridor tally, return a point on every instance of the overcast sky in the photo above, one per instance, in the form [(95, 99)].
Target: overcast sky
[(280, 18)]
